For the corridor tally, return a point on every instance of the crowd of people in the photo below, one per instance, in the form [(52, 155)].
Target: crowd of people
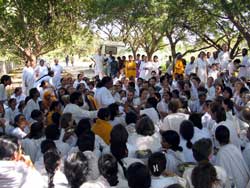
[(130, 126)]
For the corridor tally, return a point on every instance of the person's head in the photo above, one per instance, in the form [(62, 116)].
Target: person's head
[(131, 117), (34, 93), (202, 149), (187, 132), (225, 47), (37, 115), (51, 161), (56, 61), (245, 114), (108, 168), (107, 82), (55, 106), (217, 112), (76, 169), (145, 126), (204, 175), (167, 95), (174, 105), (66, 121), (151, 102), (76, 98), (83, 127), (52, 132), (9, 148), (228, 105), (138, 176), (20, 121), (113, 110), (6, 80), (157, 163), (103, 114), (171, 140), (210, 81), (118, 135), (130, 95), (196, 119), (144, 93), (244, 52), (18, 91), (86, 142), (227, 93), (12, 103), (47, 145), (222, 134), (36, 130)]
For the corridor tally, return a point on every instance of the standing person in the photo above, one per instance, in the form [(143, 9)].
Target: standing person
[(138, 63), (41, 69), (114, 67), (202, 67), (130, 67), (58, 69), (191, 67), (178, 66), (98, 60), (32, 104), (5, 81), (28, 77), (224, 57), (245, 65), (155, 65), (108, 61), (67, 60), (72, 60)]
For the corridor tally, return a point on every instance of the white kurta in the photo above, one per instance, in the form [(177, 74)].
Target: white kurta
[(202, 70), (99, 60), (41, 71), (244, 71), (32, 148), (28, 77), (246, 154), (30, 106), (78, 113), (173, 121), (145, 70), (224, 60), (104, 97), (190, 68), (58, 69), (17, 132), (3, 93), (152, 114), (230, 158)]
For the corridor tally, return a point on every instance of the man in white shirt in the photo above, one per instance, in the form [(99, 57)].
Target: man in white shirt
[(103, 96), (190, 67), (74, 108), (98, 60), (58, 69), (245, 65), (28, 77), (224, 57), (41, 69)]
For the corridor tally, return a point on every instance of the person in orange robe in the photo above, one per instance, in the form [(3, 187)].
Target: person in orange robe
[(130, 67)]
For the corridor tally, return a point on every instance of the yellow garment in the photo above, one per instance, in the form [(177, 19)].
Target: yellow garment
[(179, 67), (130, 69), (49, 117), (103, 129)]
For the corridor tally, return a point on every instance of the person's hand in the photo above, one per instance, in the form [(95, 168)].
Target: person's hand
[(26, 159)]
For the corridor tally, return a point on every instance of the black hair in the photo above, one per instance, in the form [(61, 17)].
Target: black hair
[(157, 163), (173, 139), (152, 102), (33, 92), (230, 104), (83, 127), (204, 175), (138, 176), (108, 168), (8, 147), (53, 105), (5, 78), (187, 132), (16, 119), (222, 134), (105, 80), (202, 149), (220, 113), (174, 105), (113, 110), (74, 97), (131, 117), (86, 142), (76, 169), (229, 90), (196, 119), (103, 113), (36, 130), (47, 145), (176, 93), (243, 90), (35, 114), (145, 126), (56, 118), (52, 132), (174, 186), (51, 162)]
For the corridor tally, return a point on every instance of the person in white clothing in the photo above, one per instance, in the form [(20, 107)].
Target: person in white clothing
[(157, 166), (103, 95), (74, 108), (190, 67), (17, 169), (18, 95), (20, 125), (46, 78), (246, 151), (224, 58), (245, 65), (41, 69), (58, 69), (202, 67), (32, 104), (98, 60), (11, 111), (230, 158), (28, 77), (5, 81), (173, 120), (150, 111)]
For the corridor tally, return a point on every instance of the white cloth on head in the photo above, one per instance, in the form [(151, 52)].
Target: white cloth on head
[(230, 158)]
